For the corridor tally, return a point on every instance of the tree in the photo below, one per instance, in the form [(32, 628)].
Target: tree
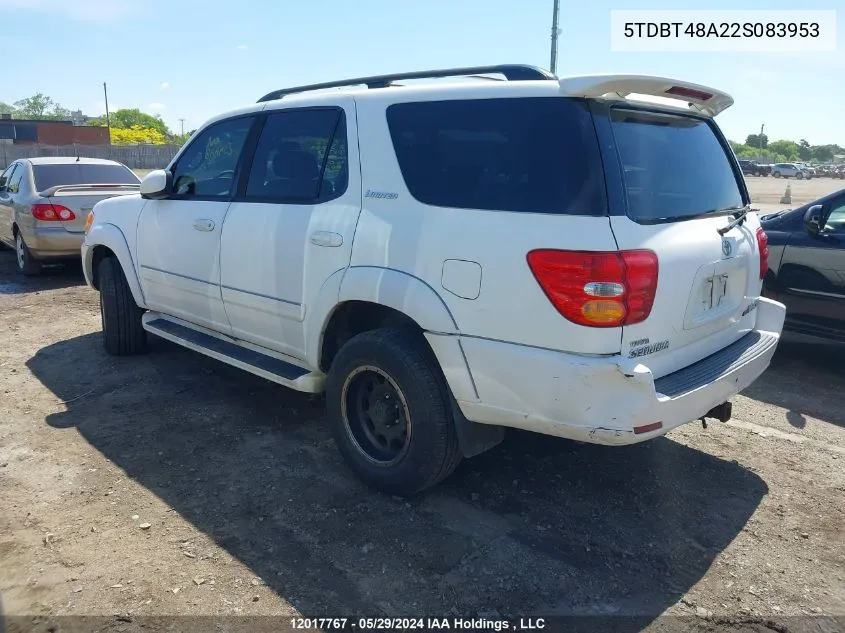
[(805, 152), (40, 106), (824, 153), (753, 140), (789, 149), (128, 118), (5, 108)]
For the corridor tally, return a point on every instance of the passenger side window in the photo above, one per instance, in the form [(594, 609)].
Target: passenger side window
[(836, 219), (15, 181), (7, 176), (208, 167), (301, 158)]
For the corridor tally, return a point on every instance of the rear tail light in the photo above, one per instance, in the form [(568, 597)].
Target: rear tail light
[(598, 289), (47, 212), (763, 247)]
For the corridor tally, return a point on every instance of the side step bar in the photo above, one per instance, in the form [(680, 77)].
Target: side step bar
[(233, 352)]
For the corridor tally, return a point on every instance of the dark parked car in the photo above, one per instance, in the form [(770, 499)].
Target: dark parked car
[(807, 266), (750, 168)]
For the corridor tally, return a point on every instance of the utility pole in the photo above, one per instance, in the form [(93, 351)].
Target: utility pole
[(182, 123), (108, 122), (761, 139), (555, 33)]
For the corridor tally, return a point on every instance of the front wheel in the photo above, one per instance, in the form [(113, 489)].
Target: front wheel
[(123, 334), (389, 410), (799, 176)]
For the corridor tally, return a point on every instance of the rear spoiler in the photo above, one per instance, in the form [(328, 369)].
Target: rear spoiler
[(52, 191), (707, 101)]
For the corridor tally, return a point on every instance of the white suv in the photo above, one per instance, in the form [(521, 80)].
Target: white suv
[(452, 258)]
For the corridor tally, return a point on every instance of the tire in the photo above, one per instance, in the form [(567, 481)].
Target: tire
[(27, 264), (123, 334), (401, 366), (776, 174), (799, 175)]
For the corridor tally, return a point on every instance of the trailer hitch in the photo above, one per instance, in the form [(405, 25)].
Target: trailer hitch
[(720, 412)]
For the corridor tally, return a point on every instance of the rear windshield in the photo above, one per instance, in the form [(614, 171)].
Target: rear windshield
[(674, 166), (47, 176), (535, 155)]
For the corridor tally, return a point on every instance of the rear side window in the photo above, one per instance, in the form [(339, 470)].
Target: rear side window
[(47, 176), (300, 158), (674, 166), (533, 155)]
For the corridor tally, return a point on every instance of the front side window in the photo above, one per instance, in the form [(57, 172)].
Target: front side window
[(527, 155), (301, 157), (674, 166), (208, 166), (836, 218)]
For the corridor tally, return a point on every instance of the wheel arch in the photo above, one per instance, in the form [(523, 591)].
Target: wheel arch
[(106, 240)]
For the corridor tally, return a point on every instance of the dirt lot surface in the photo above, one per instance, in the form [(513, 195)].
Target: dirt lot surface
[(766, 191), (171, 484)]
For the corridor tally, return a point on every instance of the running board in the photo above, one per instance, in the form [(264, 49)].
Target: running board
[(234, 352)]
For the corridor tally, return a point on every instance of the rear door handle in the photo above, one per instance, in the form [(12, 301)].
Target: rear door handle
[(204, 225), (326, 238)]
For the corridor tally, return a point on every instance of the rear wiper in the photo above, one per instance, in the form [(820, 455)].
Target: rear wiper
[(739, 218)]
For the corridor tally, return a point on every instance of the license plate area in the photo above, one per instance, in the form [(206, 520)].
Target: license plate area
[(717, 292)]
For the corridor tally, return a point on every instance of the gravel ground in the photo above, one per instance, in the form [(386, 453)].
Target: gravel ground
[(170, 484)]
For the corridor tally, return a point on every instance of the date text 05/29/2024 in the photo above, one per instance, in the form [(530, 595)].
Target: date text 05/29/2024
[(419, 624)]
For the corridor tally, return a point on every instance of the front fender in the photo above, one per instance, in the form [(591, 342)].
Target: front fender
[(111, 237)]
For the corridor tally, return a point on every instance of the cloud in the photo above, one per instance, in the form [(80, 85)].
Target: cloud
[(82, 10), (157, 106), (164, 85), (241, 47)]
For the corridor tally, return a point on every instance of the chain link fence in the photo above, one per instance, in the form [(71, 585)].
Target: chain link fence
[(141, 156)]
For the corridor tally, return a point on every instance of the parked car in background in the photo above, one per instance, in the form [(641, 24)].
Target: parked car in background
[(339, 241), (750, 168), (44, 203), (807, 266), (789, 170)]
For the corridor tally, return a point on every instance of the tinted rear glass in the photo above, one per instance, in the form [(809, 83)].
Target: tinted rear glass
[(47, 176), (674, 166), (536, 155)]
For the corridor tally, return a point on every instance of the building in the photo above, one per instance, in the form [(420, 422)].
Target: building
[(32, 131)]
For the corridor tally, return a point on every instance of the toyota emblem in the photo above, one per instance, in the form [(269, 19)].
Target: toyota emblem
[(726, 248)]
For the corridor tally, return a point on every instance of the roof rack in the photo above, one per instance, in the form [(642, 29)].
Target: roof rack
[(511, 72)]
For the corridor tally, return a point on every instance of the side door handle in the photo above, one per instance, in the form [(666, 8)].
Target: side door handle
[(204, 225), (326, 238)]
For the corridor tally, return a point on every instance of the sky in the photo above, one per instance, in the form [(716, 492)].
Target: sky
[(189, 59)]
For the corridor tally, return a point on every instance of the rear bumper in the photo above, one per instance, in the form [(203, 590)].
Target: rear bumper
[(603, 400), (45, 242)]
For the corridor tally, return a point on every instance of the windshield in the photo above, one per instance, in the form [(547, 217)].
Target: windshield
[(674, 166), (47, 176)]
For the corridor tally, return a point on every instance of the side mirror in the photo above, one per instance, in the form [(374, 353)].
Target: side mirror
[(2, 182), (157, 184), (813, 219)]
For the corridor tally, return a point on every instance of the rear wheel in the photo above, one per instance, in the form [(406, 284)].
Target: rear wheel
[(123, 334), (776, 174), (800, 175), (389, 410), (27, 264)]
